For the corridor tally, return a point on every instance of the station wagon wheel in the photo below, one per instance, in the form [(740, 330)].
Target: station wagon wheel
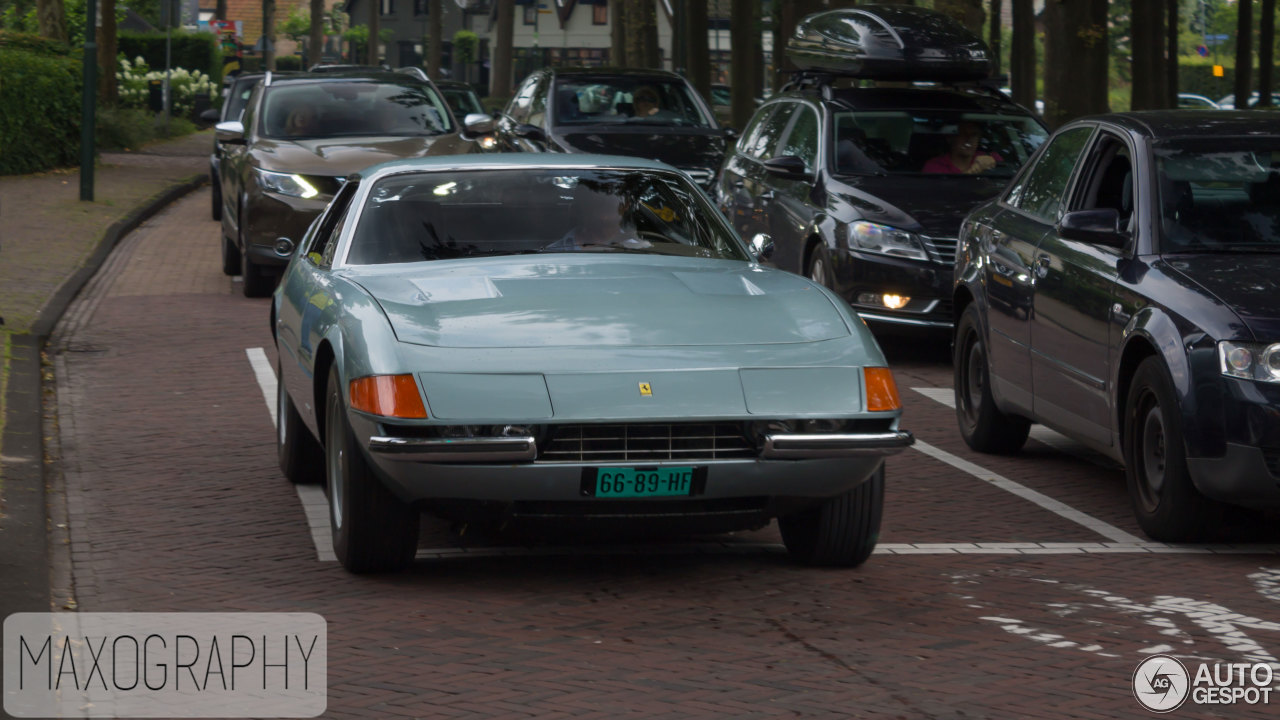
[(982, 425), (373, 530), (840, 532), (300, 455), (1165, 500)]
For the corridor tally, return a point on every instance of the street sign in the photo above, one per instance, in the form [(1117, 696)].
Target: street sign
[(1218, 71), (1215, 39), (1202, 50)]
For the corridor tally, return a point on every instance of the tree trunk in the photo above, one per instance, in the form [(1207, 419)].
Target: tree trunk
[(1022, 54), (697, 48), (1075, 59), (1150, 88), (375, 29), (1171, 52), (744, 39), (435, 38), (968, 12), (51, 17), (500, 70), (315, 44), (1266, 51), (786, 16), (618, 33), (652, 50), (108, 93), (1244, 53), (642, 35), (269, 34), (993, 35), (220, 10)]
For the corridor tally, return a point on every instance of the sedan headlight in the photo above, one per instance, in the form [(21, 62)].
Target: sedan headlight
[(286, 184), (876, 238), (1250, 361)]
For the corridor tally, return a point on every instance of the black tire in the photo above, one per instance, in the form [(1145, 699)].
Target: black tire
[(216, 191), (373, 530), (300, 454), (256, 280), (1165, 501), (840, 532), (982, 425), (819, 269), (230, 257)]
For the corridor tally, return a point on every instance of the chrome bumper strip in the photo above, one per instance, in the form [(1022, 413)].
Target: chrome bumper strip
[(896, 320), (798, 446), (484, 449)]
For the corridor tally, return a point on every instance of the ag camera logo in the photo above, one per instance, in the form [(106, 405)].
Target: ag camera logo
[(1161, 683)]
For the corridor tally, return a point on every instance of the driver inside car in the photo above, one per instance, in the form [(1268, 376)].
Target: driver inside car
[(963, 156), (602, 222)]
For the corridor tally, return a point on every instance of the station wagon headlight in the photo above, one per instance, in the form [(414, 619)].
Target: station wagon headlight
[(286, 184), (877, 238), (1250, 361)]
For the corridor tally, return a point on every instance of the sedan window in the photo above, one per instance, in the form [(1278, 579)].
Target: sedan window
[(1221, 195), (1040, 193), (347, 109), (437, 216), (802, 139)]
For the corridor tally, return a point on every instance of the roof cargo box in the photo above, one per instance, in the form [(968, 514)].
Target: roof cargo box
[(889, 42)]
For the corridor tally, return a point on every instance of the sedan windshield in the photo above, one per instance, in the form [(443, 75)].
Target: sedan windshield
[(349, 109), (934, 142), (463, 102), (627, 100), (1220, 195), (438, 216)]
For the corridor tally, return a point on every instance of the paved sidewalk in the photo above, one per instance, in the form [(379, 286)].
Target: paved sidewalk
[(50, 244)]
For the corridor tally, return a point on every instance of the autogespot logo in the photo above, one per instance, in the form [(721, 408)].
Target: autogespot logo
[(1161, 683)]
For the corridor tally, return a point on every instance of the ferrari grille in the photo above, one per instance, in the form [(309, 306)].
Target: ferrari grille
[(646, 442)]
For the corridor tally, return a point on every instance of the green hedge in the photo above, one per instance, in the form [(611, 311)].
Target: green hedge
[(1198, 78), (40, 128), (193, 51), (33, 43)]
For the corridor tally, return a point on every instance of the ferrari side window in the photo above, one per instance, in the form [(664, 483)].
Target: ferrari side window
[(324, 240)]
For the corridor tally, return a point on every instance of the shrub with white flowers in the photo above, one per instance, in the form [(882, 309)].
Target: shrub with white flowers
[(134, 80)]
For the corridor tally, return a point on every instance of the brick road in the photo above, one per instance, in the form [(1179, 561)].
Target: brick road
[(175, 503)]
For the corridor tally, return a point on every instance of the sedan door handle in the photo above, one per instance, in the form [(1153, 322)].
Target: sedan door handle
[(1042, 266)]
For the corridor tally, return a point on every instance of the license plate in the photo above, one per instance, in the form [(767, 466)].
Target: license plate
[(644, 483)]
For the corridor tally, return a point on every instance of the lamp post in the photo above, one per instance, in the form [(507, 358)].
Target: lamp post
[(88, 99)]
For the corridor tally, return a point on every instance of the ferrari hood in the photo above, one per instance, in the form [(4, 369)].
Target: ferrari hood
[(339, 157), (598, 301)]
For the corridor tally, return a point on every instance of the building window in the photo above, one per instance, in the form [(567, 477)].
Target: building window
[(600, 14), (531, 14), (388, 7), (420, 8)]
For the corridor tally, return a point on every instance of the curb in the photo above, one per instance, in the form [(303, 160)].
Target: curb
[(27, 533)]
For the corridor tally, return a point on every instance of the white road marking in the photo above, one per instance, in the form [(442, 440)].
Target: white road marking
[(1104, 529), (316, 509)]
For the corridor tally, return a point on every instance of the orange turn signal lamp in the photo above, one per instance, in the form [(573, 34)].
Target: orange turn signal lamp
[(882, 391), (388, 395)]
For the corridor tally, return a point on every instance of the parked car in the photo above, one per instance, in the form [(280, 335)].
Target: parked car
[(462, 98), (1191, 101), (300, 137), (1228, 102), (1122, 291), (234, 97), (498, 338), (642, 113), (858, 186)]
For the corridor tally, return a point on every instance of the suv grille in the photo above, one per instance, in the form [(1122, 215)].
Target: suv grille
[(646, 442), (941, 250)]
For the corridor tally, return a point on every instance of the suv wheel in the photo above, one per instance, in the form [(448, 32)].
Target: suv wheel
[(257, 281)]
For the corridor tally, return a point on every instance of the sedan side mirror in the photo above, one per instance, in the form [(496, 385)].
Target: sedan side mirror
[(477, 124), (210, 115), (1098, 227), (788, 167), (230, 132), (762, 247), (532, 133)]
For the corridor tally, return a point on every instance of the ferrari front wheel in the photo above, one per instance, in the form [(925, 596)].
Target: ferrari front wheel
[(373, 530), (840, 532)]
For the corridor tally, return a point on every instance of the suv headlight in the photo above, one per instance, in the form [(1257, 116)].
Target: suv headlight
[(1250, 361), (886, 240), (286, 184)]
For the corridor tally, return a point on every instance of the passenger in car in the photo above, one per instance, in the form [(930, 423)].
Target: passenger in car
[(302, 121), (963, 156)]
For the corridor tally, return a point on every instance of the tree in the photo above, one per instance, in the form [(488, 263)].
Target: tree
[(315, 44), (1266, 51), (642, 34), (744, 38), (618, 33), (269, 34), (1076, 59), (51, 17), (697, 51), (375, 34), (501, 73), (968, 12), (1174, 28), (466, 46), (785, 17), (220, 10), (435, 38), (1022, 53), (108, 92), (1149, 90), (1244, 52), (994, 32)]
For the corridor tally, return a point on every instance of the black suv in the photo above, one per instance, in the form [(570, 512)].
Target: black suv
[(641, 113), (863, 189)]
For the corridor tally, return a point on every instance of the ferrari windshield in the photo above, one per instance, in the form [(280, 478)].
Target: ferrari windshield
[(350, 109), (441, 216), (627, 100), (1220, 195), (934, 142)]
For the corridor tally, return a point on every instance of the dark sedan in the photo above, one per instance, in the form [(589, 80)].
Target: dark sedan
[(1124, 292), (649, 114)]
